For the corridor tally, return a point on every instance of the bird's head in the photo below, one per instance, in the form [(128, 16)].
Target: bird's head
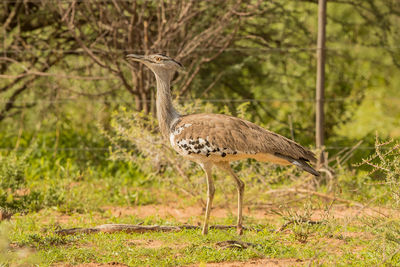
[(162, 65)]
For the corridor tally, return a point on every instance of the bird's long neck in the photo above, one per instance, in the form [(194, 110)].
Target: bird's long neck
[(166, 112)]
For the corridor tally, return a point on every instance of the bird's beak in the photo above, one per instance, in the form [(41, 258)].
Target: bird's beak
[(135, 57)]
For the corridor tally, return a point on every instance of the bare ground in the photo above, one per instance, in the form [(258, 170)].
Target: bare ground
[(182, 214)]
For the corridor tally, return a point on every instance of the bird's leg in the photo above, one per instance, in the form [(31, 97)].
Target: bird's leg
[(240, 188), (210, 194)]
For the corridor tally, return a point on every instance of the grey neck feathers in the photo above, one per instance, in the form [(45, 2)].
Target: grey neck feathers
[(166, 113)]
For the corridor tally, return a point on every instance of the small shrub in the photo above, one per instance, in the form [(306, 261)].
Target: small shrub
[(15, 193), (12, 173), (12, 181), (385, 165), (302, 226)]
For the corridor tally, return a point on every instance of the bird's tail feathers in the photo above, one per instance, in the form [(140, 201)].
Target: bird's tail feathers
[(304, 165), (300, 163)]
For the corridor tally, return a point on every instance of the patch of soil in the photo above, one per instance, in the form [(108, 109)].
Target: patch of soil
[(145, 243), (346, 212), (149, 243), (360, 235), (332, 245), (61, 218), (181, 214)]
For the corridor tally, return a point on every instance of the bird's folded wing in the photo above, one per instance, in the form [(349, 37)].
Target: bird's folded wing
[(235, 134)]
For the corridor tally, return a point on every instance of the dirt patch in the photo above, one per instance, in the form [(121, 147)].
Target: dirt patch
[(60, 218), (359, 235), (346, 212), (145, 243), (181, 214), (149, 243), (258, 263)]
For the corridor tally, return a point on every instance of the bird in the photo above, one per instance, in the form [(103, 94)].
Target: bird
[(217, 139)]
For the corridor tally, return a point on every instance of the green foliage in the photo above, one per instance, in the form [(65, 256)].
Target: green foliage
[(12, 172), (13, 182), (385, 165), (300, 222), (41, 173)]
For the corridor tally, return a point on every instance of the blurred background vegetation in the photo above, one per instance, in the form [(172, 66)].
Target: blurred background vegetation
[(63, 74)]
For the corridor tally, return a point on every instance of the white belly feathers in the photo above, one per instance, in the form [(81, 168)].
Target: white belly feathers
[(197, 146)]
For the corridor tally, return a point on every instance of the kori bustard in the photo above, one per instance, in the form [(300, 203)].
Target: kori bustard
[(216, 139)]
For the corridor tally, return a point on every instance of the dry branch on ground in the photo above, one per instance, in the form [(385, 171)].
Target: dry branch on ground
[(130, 228)]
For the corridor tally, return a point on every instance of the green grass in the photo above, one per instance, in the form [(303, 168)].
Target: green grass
[(365, 241)]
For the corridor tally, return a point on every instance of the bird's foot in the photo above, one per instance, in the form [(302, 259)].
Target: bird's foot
[(239, 230), (205, 230)]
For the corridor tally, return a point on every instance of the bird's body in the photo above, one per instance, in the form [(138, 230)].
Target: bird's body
[(216, 139)]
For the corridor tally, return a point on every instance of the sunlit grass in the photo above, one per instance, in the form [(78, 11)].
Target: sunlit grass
[(361, 242)]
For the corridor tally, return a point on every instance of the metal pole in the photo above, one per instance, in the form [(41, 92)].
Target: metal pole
[(320, 86)]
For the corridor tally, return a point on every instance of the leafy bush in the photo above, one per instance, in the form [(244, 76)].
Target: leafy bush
[(70, 172), (12, 173), (385, 166), (12, 181), (15, 194)]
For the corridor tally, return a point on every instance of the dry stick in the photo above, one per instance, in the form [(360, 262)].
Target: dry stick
[(270, 204), (61, 76), (349, 153), (235, 244), (130, 228), (211, 85), (285, 225), (330, 176), (359, 211), (191, 194), (390, 256)]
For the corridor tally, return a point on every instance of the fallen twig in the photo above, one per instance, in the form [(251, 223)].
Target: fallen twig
[(4, 215), (130, 228), (235, 244), (283, 227), (390, 257)]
